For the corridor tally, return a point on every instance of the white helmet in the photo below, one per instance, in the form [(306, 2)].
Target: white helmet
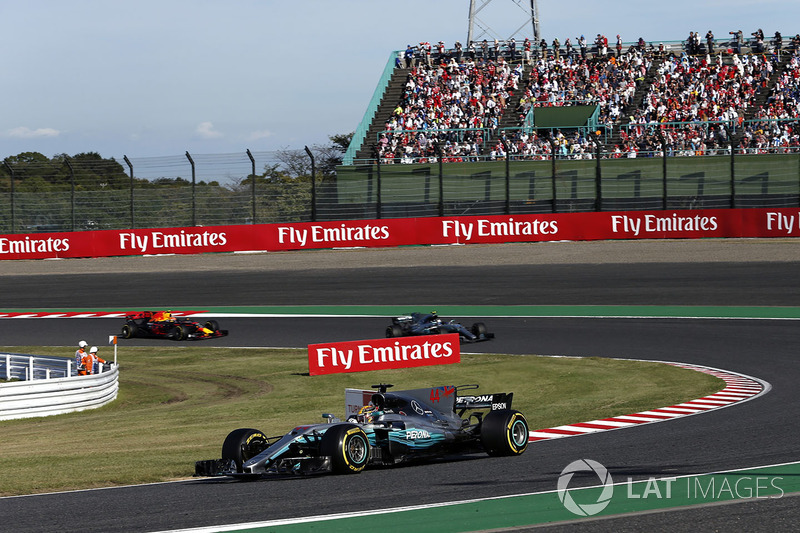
[(82, 344), (93, 349)]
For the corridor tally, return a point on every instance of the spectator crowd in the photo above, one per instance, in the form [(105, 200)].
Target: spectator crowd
[(695, 100)]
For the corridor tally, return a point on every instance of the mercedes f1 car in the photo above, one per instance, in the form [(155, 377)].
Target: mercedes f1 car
[(431, 324), (392, 428), (163, 324)]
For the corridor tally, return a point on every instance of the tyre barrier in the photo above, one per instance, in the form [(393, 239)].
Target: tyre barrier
[(49, 387)]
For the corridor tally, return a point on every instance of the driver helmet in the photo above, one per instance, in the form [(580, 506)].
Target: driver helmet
[(368, 414)]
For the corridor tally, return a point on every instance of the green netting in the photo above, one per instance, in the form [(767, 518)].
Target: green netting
[(767, 180), (624, 180)]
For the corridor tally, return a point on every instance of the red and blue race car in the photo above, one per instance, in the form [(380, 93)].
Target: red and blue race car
[(165, 325)]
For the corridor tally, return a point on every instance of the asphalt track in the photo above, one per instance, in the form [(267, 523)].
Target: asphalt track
[(759, 432)]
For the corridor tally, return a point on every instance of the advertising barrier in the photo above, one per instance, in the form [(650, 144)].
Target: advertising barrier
[(677, 224), (383, 354)]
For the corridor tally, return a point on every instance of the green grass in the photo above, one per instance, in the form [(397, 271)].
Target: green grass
[(177, 404)]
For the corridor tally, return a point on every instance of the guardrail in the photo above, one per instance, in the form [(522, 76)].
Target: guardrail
[(48, 386)]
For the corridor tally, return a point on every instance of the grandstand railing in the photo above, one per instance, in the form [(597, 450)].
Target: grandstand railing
[(361, 131)]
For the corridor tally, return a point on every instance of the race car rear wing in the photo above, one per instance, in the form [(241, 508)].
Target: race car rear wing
[(499, 400)]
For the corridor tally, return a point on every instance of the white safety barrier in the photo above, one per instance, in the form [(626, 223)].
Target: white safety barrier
[(50, 387)]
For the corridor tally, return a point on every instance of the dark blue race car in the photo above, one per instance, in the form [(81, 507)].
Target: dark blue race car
[(394, 427), (431, 324)]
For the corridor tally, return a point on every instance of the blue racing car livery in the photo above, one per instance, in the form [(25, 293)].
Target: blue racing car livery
[(392, 428)]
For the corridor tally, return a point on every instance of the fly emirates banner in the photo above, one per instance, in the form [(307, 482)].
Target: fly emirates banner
[(383, 354), (694, 224)]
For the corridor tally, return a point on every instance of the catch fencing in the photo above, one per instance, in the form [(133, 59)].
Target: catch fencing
[(44, 386), (216, 191)]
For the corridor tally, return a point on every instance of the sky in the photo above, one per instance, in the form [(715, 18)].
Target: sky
[(160, 78)]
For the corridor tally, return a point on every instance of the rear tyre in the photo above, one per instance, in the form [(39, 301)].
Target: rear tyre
[(479, 329), (504, 432), (394, 331), (348, 447), (212, 325), (128, 331), (242, 445)]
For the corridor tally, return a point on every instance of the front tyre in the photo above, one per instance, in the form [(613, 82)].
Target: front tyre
[(241, 445), (479, 329), (348, 447), (179, 333), (504, 432)]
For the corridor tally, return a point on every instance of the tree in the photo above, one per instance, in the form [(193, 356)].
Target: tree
[(296, 163)]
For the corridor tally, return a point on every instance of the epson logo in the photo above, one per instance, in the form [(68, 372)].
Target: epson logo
[(496, 406)]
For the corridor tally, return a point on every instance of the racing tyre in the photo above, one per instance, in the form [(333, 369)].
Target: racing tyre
[(179, 333), (242, 445), (504, 432), (212, 325), (393, 331), (128, 331), (348, 447), (479, 329)]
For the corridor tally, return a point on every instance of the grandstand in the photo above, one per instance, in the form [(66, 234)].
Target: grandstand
[(583, 100)]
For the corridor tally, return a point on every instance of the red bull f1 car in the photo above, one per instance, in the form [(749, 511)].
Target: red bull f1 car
[(163, 324), (431, 324), (394, 427)]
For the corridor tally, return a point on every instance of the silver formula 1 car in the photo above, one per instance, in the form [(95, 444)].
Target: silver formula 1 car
[(394, 427), (431, 324)]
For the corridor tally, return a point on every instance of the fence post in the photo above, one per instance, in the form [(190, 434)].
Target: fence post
[(598, 176), (508, 175), (441, 180), (733, 166), (378, 184), (11, 171), (130, 166), (553, 170), (194, 203), (663, 170), (253, 188), (313, 186), (72, 191)]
